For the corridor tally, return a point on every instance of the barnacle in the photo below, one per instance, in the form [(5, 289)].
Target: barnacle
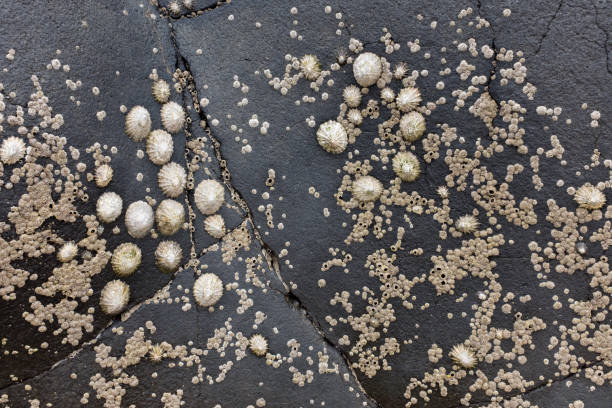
[(463, 356), (590, 197), (67, 252), (408, 99), (215, 226), (161, 91), (139, 219), (160, 147), (109, 206), (168, 256), (400, 70), (126, 259), (310, 67), (406, 166), (138, 123), (114, 297), (172, 179), (367, 188), (207, 289), (412, 126), (104, 175), (12, 150), (367, 68), (209, 196), (156, 353), (258, 345), (172, 117), (332, 137), (352, 96), (170, 216)]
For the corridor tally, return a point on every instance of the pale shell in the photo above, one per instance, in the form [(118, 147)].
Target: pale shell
[(104, 175), (467, 223), (209, 196), (408, 99), (109, 207), (207, 289), (138, 123), (463, 356), (258, 345), (412, 126), (161, 91), (406, 166), (168, 256), (170, 216), (590, 197), (367, 188), (114, 297), (67, 252), (172, 117), (139, 219), (310, 67), (126, 259), (215, 226), (352, 96), (172, 179), (160, 147), (332, 137), (12, 150), (367, 68)]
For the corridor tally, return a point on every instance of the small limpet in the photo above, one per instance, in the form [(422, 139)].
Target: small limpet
[(172, 117), (126, 259), (408, 99), (172, 179), (12, 150), (215, 226), (168, 256), (138, 123), (412, 126), (467, 224), (463, 356), (161, 91), (332, 137), (67, 252), (352, 96), (258, 345), (406, 166), (367, 68), (207, 289), (310, 67), (114, 297), (170, 216), (160, 147), (139, 219), (104, 175), (589, 197), (209, 196), (109, 206), (367, 188)]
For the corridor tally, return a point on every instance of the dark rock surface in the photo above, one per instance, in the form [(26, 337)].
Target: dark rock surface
[(284, 221)]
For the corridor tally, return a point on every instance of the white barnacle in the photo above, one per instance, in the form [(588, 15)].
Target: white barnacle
[(160, 147), (215, 226), (352, 96), (412, 126), (174, 7), (109, 206), (463, 356), (367, 188), (589, 197), (258, 345), (172, 117), (139, 219), (332, 137), (207, 289), (367, 68), (138, 123), (170, 216), (168, 256), (442, 191), (406, 166), (156, 353), (467, 224), (67, 252), (104, 175), (209, 196), (310, 67), (161, 91), (12, 150), (172, 179), (408, 99), (400, 70), (114, 297), (126, 259)]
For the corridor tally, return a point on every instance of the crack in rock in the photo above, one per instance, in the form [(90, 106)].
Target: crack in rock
[(548, 26)]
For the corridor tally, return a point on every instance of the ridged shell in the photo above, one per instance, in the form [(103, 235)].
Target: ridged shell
[(172, 179), (109, 206), (139, 219), (12, 150), (215, 226), (589, 197), (258, 345), (160, 147), (412, 126), (138, 123), (104, 175), (172, 117), (352, 96), (209, 196), (114, 297), (67, 252), (463, 356), (310, 67), (161, 91), (406, 166), (332, 137), (126, 259), (367, 68), (168, 256), (408, 99), (467, 223), (367, 188), (207, 289), (170, 216)]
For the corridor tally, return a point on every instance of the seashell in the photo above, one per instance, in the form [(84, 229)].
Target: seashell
[(126, 259), (367, 68), (406, 166), (463, 356), (67, 252), (589, 197), (156, 353), (352, 96), (332, 137), (138, 123), (387, 94), (467, 224), (367, 188), (161, 91), (310, 67), (354, 116), (400, 70), (12, 150), (209, 196), (408, 99), (412, 126), (172, 179), (258, 345), (114, 297), (160, 147), (172, 117), (139, 219), (109, 206), (168, 256), (215, 226), (207, 289), (170, 216), (104, 175)]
